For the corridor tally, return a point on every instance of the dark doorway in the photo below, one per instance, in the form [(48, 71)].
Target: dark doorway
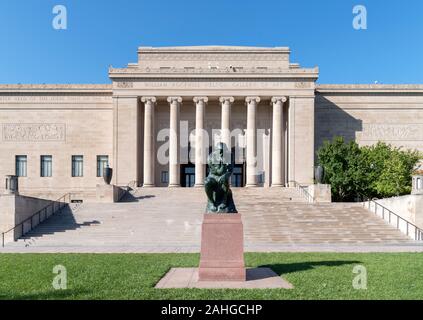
[(237, 178), (187, 175)]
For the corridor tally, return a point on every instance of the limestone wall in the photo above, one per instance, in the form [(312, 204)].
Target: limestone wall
[(66, 120), (370, 113), (15, 210), (56, 120), (409, 207)]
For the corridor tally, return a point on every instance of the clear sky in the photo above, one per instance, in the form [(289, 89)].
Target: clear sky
[(104, 32)]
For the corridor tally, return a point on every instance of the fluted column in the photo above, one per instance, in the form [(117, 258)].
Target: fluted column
[(200, 145), (251, 174), (226, 120), (174, 169), (277, 142), (149, 141)]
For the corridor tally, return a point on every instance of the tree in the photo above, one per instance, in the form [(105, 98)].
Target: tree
[(395, 178), (379, 170), (341, 162)]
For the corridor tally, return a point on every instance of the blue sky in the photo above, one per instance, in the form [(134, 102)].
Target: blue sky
[(103, 33)]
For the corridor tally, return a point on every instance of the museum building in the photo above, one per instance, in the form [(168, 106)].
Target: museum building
[(59, 138)]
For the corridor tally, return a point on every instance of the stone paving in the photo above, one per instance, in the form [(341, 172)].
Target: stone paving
[(169, 220)]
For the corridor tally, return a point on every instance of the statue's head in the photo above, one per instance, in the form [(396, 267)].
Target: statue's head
[(223, 150)]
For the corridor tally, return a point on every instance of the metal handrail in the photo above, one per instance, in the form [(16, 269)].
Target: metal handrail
[(302, 190), (61, 202), (418, 232)]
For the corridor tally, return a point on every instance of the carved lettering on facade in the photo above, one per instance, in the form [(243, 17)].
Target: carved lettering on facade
[(393, 132), (34, 132), (214, 84), (125, 85), (55, 98), (302, 85)]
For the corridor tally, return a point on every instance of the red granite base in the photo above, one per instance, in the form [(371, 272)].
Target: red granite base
[(222, 248)]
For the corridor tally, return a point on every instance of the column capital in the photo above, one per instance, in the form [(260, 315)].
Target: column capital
[(277, 99), (226, 99), (198, 99), (252, 99), (174, 99), (148, 99)]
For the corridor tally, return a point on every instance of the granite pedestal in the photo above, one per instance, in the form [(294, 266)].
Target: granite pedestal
[(222, 248)]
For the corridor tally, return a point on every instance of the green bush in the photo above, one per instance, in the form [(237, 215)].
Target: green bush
[(380, 170)]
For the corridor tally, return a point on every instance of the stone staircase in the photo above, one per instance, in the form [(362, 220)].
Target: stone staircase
[(162, 219)]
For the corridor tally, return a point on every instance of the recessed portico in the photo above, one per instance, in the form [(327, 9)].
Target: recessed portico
[(252, 99)]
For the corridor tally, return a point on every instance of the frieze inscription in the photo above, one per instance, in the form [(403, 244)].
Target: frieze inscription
[(34, 132), (55, 99), (125, 85), (215, 84), (393, 132)]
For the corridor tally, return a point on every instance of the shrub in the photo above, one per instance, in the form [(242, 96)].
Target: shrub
[(379, 170)]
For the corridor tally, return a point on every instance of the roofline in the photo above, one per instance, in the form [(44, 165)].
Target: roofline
[(369, 88), (214, 49), (56, 88)]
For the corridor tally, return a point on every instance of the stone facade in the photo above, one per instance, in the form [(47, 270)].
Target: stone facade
[(272, 108), (60, 121), (370, 113)]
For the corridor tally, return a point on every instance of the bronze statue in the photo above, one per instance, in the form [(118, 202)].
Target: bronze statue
[(218, 192)]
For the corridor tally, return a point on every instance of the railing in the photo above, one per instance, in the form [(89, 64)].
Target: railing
[(39, 216), (406, 227), (302, 190)]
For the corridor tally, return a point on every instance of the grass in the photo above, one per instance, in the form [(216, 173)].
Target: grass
[(133, 276)]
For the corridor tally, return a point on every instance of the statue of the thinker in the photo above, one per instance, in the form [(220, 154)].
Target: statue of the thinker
[(218, 192)]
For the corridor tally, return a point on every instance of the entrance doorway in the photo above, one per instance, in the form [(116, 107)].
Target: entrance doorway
[(187, 175), (237, 178)]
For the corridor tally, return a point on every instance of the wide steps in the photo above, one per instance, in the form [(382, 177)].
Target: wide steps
[(172, 217)]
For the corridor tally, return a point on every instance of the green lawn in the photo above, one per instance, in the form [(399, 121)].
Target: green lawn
[(133, 276)]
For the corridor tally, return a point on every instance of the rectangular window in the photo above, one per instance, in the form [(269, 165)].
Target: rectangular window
[(21, 166), (46, 166), (164, 177), (102, 163), (77, 166)]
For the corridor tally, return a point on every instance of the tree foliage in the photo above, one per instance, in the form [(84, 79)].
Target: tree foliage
[(380, 170)]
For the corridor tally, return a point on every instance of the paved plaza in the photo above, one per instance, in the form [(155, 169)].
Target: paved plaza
[(169, 220)]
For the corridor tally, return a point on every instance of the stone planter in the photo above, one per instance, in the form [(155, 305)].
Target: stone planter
[(319, 173), (417, 187), (12, 186), (107, 175)]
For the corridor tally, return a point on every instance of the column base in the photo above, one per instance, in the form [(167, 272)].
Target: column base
[(200, 185), (251, 186), (277, 185), (148, 185), (174, 186)]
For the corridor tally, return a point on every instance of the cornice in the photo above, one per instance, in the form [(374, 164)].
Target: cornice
[(213, 49), (369, 88), (56, 88), (206, 72)]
